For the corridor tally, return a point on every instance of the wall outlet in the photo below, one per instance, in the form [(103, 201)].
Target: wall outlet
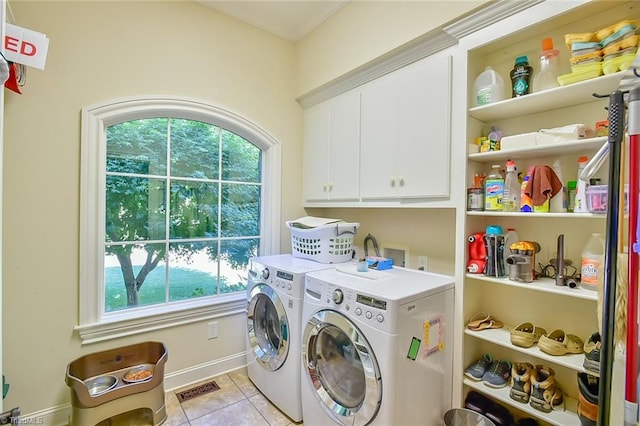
[(212, 330), (423, 263)]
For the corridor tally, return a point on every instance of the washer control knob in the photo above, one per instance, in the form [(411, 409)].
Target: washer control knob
[(337, 296), (289, 286), (379, 317), (368, 314), (358, 311), (265, 273)]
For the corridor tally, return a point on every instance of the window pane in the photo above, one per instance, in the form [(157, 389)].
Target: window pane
[(194, 209), (135, 209), (234, 261), (240, 210), (240, 159), (134, 275), (138, 146), (193, 270), (194, 149)]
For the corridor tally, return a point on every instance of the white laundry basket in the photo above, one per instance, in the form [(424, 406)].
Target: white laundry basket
[(330, 243)]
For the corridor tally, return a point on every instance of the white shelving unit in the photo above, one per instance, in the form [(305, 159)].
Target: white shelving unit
[(541, 302)]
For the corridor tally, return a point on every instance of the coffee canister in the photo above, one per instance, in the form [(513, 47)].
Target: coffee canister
[(475, 199)]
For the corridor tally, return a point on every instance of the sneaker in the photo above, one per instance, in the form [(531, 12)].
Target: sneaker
[(476, 370), (545, 393), (587, 399), (497, 375), (520, 381), (592, 353)]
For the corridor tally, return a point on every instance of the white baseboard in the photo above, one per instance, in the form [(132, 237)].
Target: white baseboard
[(59, 415)]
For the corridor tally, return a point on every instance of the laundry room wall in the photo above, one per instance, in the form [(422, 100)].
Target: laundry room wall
[(100, 51), (421, 232), (362, 31)]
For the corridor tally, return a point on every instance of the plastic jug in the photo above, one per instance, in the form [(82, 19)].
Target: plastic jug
[(493, 190), (511, 197), (592, 262), (488, 87), (547, 75)]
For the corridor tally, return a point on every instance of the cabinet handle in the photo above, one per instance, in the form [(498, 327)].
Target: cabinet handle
[(401, 180), (392, 181), (325, 187), (330, 185)]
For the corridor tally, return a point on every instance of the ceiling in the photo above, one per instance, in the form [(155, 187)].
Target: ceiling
[(289, 19)]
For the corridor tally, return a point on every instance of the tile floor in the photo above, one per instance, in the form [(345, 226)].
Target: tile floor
[(237, 402)]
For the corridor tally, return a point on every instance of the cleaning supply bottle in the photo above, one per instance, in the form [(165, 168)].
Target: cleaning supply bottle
[(511, 196), (489, 87), (521, 77), (510, 237), (558, 203), (571, 195), (580, 202), (547, 75), (493, 190), (526, 204), (592, 262)]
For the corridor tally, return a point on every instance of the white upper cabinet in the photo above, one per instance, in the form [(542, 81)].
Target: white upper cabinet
[(331, 149), (405, 132)]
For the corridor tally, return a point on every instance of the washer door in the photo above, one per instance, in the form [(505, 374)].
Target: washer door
[(267, 327), (341, 367)]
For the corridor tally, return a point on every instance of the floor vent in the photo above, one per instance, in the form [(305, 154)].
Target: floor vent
[(188, 394)]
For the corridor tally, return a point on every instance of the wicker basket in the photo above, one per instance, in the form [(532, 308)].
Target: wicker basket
[(331, 243)]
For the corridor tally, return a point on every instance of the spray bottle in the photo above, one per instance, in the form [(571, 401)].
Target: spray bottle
[(580, 203)]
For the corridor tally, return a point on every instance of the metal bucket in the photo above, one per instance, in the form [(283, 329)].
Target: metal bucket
[(465, 417)]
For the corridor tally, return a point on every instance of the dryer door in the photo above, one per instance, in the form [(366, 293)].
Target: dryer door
[(341, 367), (267, 327)]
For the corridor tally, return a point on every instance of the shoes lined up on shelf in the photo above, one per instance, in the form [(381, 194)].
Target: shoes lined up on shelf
[(587, 399), (495, 412), (555, 343), (531, 385)]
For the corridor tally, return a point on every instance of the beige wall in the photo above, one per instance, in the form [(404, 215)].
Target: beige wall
[(363, 30), (106, 50), (99, 51)]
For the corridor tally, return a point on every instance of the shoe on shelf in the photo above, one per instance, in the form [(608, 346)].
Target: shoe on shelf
[(499, 415), (545, 392), (520, 381), (559, 343), (477, 402), (476, 370), (587, 399), (592, 352), (498, 374), (526, 334)]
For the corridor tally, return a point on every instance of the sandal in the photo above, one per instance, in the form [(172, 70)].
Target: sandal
[(526, 334), (492, 323), (559, 343), (478, 319)]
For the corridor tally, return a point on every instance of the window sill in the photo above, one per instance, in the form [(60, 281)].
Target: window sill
[(116, 328)]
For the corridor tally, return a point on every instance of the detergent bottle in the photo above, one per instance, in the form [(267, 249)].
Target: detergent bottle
[(494, 190), (511, 196), (592, 262)]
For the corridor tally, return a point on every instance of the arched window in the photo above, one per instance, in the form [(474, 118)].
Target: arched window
[(175, 200)]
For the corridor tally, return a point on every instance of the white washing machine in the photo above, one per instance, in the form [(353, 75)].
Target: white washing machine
[(274, 314), (377, 350)]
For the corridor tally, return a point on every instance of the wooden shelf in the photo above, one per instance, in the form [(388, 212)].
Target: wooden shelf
[(563, 415), (502, 337), (575, 146), (547, 100), (546, 285)]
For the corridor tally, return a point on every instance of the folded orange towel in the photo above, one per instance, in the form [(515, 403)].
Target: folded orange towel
[(543, 184)]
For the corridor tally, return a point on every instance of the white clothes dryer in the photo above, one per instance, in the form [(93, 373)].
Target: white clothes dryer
[(274, 314), (377, 350)]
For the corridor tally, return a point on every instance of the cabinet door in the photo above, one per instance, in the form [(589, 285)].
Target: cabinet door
[(344, 147), (379, 138), (424, 128), (316, 152)]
